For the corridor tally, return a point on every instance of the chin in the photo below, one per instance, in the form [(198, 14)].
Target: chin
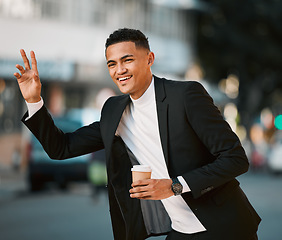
[(124, 91)]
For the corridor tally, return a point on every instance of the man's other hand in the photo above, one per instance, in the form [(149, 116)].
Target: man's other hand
[(151, 189)]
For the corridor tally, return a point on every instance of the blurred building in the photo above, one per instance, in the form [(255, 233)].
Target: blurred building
[(68, 37)]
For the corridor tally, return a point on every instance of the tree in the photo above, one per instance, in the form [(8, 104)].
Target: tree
[(244, 38)]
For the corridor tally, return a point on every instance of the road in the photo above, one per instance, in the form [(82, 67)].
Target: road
[(265, 193), (74, 214)]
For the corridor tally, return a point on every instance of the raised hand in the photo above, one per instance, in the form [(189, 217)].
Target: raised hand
[(28, 80)]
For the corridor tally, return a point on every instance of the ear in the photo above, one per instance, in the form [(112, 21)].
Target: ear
[(151, 58)]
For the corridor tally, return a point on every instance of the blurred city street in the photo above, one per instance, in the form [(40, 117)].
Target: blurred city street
[(232, 48), (75, 214)]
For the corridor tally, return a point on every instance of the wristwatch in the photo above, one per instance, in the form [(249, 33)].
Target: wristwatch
[(176, 186)]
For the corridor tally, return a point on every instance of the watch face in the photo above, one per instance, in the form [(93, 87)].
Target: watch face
[(177, 188)]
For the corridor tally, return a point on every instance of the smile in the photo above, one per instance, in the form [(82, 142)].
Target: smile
[(124, 78)]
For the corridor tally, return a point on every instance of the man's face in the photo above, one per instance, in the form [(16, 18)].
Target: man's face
[(130, 67)]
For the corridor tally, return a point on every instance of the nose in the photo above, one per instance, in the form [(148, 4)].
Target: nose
[(121, 69)]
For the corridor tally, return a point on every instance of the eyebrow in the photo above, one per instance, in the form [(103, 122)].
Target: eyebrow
[(126, 56), (123, 57)]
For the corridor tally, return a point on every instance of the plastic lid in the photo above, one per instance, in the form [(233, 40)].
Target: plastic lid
[(141, 168)]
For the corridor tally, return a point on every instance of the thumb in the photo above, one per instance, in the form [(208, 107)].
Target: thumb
[(36, 77)]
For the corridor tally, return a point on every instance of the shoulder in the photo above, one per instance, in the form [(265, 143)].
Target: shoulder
[(180, 86), (115, 104), (179, 83), (112, 101)]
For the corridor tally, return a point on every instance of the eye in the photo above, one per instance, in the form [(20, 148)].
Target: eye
[(128, 60), (111, 65)]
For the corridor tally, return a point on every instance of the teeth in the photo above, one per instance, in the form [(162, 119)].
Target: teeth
[(124, 78)]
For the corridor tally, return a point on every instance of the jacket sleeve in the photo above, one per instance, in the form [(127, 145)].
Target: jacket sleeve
[(60, 145), (215, 133)]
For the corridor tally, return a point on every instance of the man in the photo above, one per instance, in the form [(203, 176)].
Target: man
[(172, 126)]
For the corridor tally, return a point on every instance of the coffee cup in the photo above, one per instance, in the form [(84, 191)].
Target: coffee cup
[(141, 172)]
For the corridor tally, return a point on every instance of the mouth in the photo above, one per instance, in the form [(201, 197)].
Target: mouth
[(123, 79)]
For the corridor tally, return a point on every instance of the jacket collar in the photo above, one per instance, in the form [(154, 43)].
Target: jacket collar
[(112, 118), (159, 89), (162, 111)]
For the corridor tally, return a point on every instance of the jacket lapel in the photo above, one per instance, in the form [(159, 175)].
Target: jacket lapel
[(162, 112), (119, 106), (117, 113), (119, 175), (113, 116)]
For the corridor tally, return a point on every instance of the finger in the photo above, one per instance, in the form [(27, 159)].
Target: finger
[(25, 59), (138, 189), (141, 183), (21, 69), (140, 195), (17, 75), (33, 61)]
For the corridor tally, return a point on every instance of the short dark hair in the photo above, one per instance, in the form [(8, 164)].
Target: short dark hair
[(128, 35)]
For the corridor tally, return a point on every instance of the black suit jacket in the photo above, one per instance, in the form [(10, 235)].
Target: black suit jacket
[(197, 144)]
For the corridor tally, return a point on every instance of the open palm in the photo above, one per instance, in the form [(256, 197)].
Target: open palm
[(28, 80)]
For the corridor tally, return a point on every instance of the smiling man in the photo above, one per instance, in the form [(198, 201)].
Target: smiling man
[(172, 126), (130, 67)]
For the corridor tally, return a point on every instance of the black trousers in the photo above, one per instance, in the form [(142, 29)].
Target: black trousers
[(174, 235)]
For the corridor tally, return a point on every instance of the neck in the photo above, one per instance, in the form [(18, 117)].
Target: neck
[(144, 88)]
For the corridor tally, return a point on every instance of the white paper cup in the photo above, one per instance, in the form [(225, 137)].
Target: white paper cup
[(141, 172)]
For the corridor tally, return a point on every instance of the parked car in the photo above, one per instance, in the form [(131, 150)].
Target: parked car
[(97, 173), (42, 169)]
